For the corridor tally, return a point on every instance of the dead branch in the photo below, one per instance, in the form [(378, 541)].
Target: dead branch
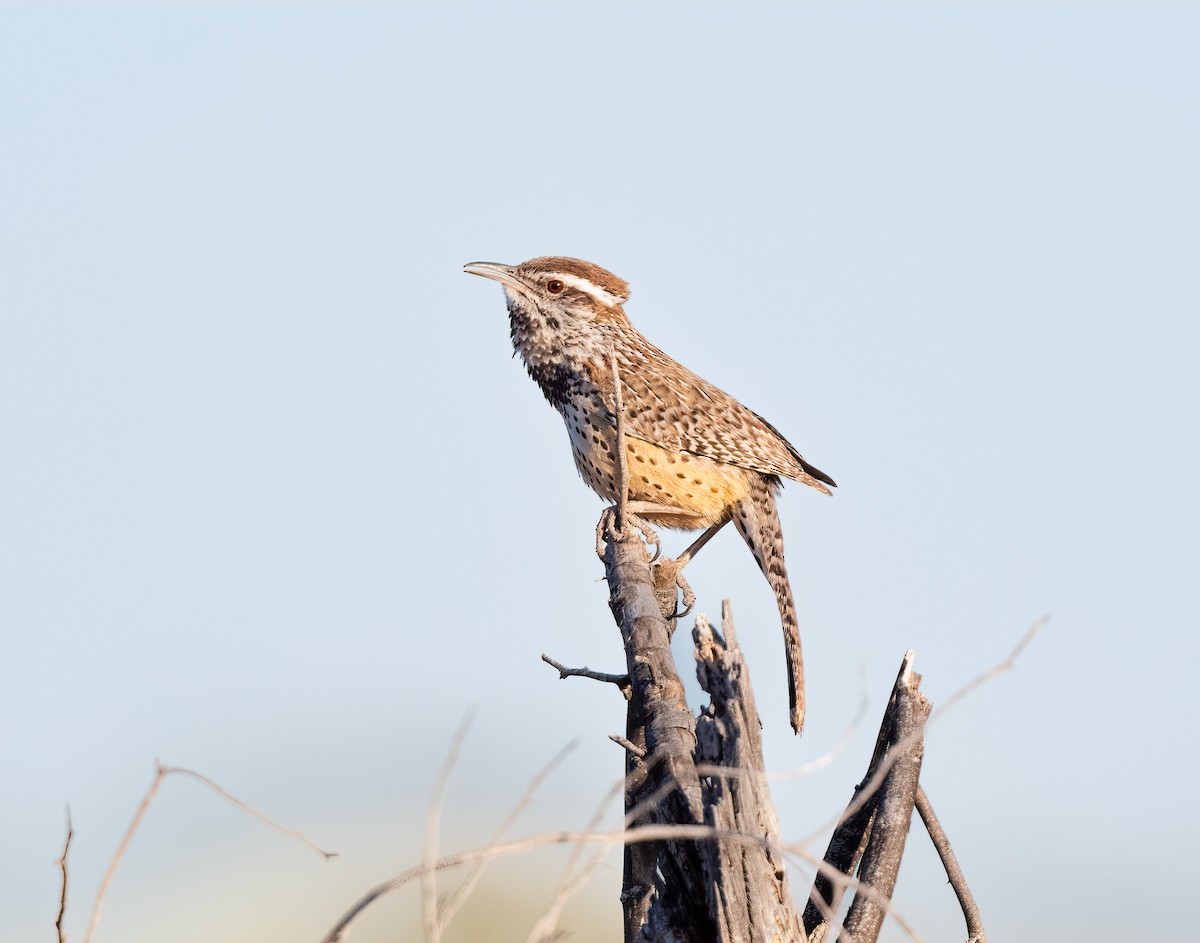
[(849, 839), (621, 681), (629, 745), (893, 812), (748, 882), (636, 837), (954, 873), (62, 863), (706, 770), (659, 722)]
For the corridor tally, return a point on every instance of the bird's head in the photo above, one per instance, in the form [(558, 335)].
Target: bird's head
[(558, 291)]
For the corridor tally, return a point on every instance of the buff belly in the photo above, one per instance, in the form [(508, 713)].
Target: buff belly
[(703, 490)]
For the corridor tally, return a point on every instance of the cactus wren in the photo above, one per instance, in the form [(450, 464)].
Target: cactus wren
[(697, 458)]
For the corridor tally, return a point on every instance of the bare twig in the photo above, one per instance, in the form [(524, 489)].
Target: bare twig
[(545, 929), (621, 459), (999, 668), (867, 788), (429, 909), (639, 835), (975, 932), (628, 744), (829, 756), (455, 899), (160, 773), (183, 771), (62, 863), (112, 867), (621, 681), (864, 792)]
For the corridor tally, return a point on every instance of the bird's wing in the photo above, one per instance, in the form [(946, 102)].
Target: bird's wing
[(668, 405)]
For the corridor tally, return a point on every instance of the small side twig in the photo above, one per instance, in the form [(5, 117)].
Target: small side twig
[(228, 797), (1007, 664), (620, 680), (161, 773), (430, 917), (958, 881), (62, 863), (546, 929), (640, 835), (628, 744), (120, 853), (454, 900), (622, 462)]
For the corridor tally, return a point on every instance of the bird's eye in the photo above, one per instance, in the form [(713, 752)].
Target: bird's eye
[(554, 286)]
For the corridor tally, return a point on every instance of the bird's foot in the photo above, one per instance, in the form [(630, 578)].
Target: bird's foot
[(669, 585), (608, 529)]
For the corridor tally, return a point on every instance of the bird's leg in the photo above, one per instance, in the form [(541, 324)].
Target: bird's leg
[(686, 557)]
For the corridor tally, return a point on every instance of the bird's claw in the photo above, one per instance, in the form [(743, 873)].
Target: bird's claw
[(689, 598), (606, 529)]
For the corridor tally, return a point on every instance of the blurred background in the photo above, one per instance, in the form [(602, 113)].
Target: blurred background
[(277, 505)]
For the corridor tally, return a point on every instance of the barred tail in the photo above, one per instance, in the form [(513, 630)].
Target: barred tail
[(757, 521)]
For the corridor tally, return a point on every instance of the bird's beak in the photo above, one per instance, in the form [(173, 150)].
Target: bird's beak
[(506, 275)]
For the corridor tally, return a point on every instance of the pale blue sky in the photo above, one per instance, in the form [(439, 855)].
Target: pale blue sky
[(277, 504)]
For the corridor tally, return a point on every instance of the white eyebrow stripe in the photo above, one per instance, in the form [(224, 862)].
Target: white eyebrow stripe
[(590, 289)]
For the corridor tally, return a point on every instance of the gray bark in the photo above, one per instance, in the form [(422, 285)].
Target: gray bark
[(698, 772), (709, 771), (893, 815)]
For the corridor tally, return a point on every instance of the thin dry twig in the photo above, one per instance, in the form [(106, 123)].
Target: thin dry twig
[(455, 899), (641, 834), (829, 756), (621, 459), (999, 668), (161, 773), (62, 863), (975, 932), (628, 744), (112, 867), (545, 929), (799, 772), (869, 788), (183, 771), (880, 763), (429, 910), (620, 680)]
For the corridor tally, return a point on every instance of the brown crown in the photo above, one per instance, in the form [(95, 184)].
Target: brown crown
[(601, 278)]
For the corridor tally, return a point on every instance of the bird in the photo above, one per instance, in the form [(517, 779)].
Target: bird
[(696, 457)]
